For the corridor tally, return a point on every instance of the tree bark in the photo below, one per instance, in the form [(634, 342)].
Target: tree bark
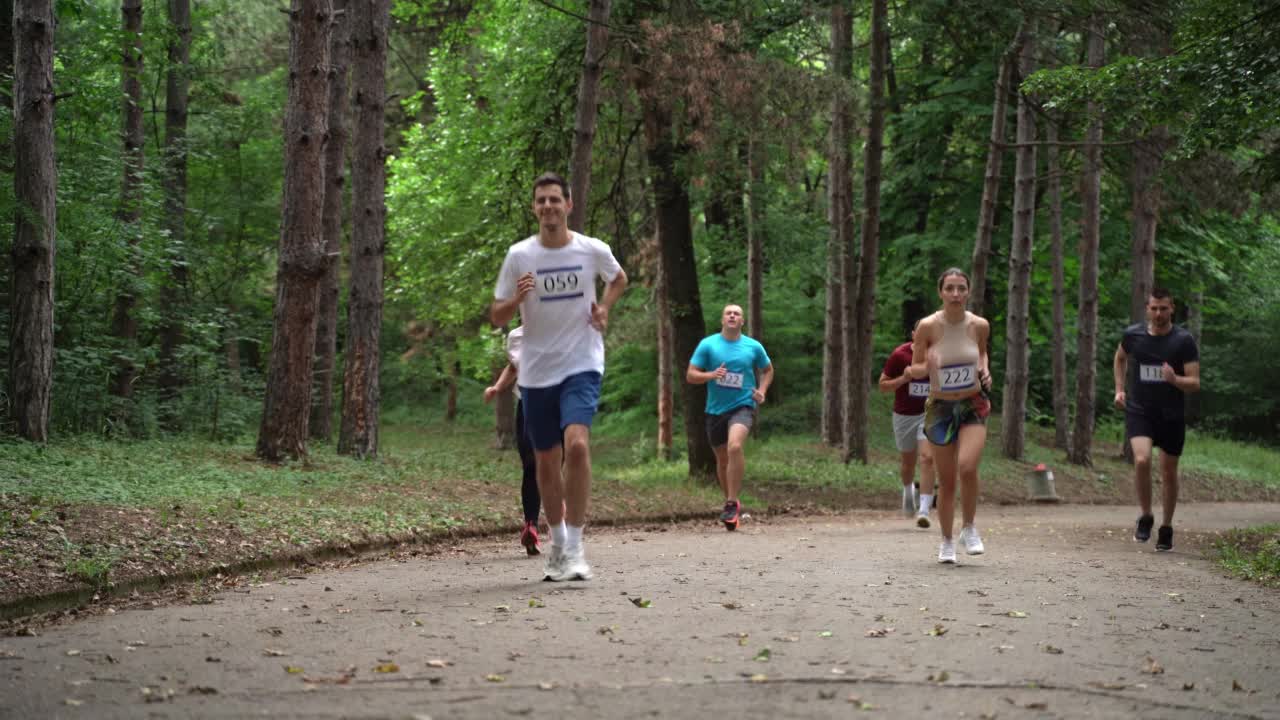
[(1061, 403), (6, 144), (1017, 373), (124, 324), (840, 218), (1090, 226), (991, 181), (755, 239), (173, 294), (35, 180), (335, 154), (584, 121), (1148, 159), (666, 397), (855, 431), (286, 412), (370, 20)]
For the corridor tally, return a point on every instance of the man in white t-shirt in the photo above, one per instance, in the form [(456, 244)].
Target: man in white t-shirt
[(551, 279)]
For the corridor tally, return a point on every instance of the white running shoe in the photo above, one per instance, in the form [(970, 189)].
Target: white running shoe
[(972, 543), (554, 567), (575, 565), (947, 552), (922, 518), (908, 505)]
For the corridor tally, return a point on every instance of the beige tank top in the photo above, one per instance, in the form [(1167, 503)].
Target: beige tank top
[(956, 369)]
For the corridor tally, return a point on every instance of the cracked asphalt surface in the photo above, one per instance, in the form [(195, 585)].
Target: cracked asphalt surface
[(831, 616)]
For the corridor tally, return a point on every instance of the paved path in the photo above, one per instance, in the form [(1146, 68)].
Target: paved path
[(1063, 617)]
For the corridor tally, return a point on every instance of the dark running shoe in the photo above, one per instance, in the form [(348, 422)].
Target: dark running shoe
[(1164, 540), (729, 516), (1143, 532), (529, 538)]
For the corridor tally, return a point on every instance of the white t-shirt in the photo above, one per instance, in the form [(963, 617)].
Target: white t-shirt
[(559, 340)]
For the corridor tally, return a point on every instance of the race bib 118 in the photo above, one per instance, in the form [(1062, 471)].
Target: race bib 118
[(730, 380), (918, 388), (1150, 373), (957, 377)]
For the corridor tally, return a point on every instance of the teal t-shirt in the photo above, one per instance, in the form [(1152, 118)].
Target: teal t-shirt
[(741, 358)]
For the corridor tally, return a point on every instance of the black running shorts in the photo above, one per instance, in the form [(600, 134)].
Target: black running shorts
[(1168, 435)]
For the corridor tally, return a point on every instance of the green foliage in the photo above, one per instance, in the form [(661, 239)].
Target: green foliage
[(1252, 553)]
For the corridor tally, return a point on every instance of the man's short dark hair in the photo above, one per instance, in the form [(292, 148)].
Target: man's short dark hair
[(550, 178), (1160, 293)]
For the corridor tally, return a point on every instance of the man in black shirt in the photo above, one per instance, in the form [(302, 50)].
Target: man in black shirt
[(1156, 364)]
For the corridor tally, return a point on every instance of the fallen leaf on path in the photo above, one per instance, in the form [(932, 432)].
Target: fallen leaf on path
[(272, 652), (1001, 648), (386, 668), (640, 602), (536, 603), (1153, 667), (940, 677), (1188, 686), (758, 678), (293, 669), (417, 622), (73, 702), (546, 686), (763, 655), (1037, 705), (1053, 650), (72, 653), (1236, 686), (502, 608), (824, 634), (438, 663), (1016, 614), (731, 605), (838, 671), (937, 631), (495, 678), (879, 632)]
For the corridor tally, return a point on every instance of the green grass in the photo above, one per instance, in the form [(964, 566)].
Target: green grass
[(1216, 456), (1252, 553)]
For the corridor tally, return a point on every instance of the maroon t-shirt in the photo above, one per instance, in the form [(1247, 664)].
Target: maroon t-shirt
[(909, 398)]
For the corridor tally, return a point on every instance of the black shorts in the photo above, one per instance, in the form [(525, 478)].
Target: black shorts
[(718, 425), (1166, 434)]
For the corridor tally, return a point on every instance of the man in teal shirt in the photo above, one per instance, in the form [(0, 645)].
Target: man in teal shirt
[(740, 373)]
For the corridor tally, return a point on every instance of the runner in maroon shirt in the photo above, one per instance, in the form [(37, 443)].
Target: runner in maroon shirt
[(908, 429)]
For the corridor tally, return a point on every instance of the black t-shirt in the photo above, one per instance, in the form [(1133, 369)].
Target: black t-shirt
[(1146, 392)]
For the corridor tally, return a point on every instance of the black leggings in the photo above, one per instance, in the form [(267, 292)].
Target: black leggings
[(529, 496)]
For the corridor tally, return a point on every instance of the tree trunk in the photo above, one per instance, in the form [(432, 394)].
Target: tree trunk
[(1090, 227), (584, 121), (1061, 404), (6, 144), (1017, 372), (855, 431), (991, 181), (331, 224), (755, 240), (286, 411), (1148, 159), (173, 294), (124, 325), (360, 390), (840, 218), (675, 231), (35, 180), (1195, 326), (666, 404)]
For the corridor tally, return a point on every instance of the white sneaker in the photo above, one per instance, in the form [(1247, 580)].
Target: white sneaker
[(908, 505), (575, 565), (553, 568), (947, 552), (922, 518), (972, 543)]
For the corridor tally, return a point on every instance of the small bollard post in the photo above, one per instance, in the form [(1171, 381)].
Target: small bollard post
[(1040, 485)]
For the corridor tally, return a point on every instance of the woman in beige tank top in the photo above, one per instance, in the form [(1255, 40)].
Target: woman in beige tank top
[(951, 350)]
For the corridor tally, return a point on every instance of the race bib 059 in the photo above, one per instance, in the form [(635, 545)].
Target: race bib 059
[(730, 380), (559, 283), (957, 377), (918, 388)]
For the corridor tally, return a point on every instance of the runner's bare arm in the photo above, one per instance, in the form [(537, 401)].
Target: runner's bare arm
[(697, 376), (764, 378), (984, 360), (502, 384), (612, 291), (1188, 381), (888, 384), (919, 366), (1118, 368), (501, 311)]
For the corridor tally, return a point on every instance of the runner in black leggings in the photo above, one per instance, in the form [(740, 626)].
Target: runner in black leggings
[(529, 496)]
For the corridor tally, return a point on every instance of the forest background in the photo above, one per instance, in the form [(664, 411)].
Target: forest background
[(818, 163)]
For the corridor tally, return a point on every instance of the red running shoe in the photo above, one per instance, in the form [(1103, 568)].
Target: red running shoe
[(529, 538), (729, 516)]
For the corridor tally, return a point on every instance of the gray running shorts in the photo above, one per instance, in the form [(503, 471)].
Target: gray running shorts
[(908, 431)]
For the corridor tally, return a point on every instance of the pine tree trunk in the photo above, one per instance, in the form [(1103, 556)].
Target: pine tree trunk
[(361, 400), (124, 324), (35, 180), (1061, 403), (173, 294), (584, 121), (286, 411), (755, 240), (855, 434), (666, 397), (840, 219), (6, 144), (991, 181), (1148, 159), (1090, 227), (335, 154), (1017, 373)]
